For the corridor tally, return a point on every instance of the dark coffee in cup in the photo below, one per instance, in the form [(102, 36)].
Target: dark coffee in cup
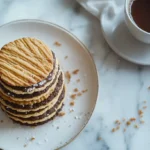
[(140, 12)]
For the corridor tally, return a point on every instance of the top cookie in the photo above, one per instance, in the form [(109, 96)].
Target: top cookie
[(25, 62)]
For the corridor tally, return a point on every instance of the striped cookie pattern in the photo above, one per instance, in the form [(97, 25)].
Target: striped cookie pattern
[(32, 88)]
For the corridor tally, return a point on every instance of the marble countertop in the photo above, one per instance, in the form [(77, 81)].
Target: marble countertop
[(123, 85)]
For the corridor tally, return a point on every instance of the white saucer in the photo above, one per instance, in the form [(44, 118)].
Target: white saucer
[(62, 130), (120, 39)]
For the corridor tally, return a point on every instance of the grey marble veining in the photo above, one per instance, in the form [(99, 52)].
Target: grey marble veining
[(123, 85)]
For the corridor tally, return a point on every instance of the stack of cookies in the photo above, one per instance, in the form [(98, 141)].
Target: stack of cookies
[(32, 86)]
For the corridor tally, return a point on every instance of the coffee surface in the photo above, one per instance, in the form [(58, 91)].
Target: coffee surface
[(140, 11)]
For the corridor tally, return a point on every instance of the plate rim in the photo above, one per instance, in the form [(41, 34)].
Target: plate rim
[(85, 49)]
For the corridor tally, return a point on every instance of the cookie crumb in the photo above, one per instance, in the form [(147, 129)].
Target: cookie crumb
[(25, 145), (66, 57), (99, 138), (132, 119), (144, 102), (142, 122), (32, 139), (83, 91), (73, 96), (124, 130), (128, 123), (144, 107), (117, 122), (68, 76), (71, 110), (118, 127), (78, 80), (76, 90), (113, 130), (75, 71), (61, 113), (136, 126), (2, 121), (79, 94), (72, 103), (57, 43), (140, 112)]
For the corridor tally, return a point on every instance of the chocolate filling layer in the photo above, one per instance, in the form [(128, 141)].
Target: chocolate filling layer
[(38, 85), (47, 113), (26, 96), (33, 112), (39, 123), (44, 102)]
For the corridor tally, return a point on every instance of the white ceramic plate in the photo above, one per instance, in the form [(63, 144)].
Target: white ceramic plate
[(48, 136), (120, 39)]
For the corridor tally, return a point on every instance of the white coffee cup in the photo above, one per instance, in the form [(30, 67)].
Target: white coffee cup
[(137, 32)]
